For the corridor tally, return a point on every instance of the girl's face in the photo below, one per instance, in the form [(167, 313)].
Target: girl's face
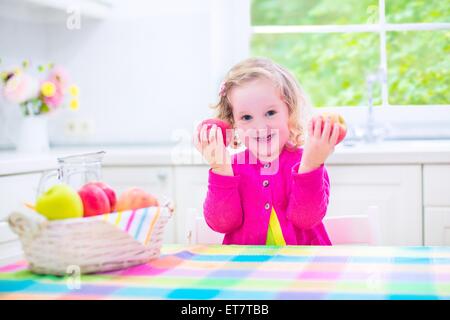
[(260, 117)]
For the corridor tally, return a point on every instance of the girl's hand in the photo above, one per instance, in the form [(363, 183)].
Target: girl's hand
[(213, 150), (319, 145)]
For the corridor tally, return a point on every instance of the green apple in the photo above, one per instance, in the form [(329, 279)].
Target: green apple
[(60, 202)]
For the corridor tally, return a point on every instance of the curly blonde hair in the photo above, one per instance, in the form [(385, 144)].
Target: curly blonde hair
[(291, 93)]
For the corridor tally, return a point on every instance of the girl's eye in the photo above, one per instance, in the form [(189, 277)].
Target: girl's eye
[(246, 117), (271, 112)]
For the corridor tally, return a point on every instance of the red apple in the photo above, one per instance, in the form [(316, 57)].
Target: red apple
[(95, 201), (222, 125), (337, 118), (135, 198), (109, 193)]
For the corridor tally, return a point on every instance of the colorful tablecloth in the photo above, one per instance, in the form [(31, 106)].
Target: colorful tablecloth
[(253, 272)]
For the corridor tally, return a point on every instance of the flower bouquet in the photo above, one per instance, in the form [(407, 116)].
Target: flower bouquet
[(37, 94)]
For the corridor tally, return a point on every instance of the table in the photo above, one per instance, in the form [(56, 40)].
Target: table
[(253, 272)]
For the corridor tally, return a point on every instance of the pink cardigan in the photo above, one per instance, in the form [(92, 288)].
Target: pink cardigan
[(239, 206)]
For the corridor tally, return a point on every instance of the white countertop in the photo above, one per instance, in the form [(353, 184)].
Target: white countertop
[(388, 152)]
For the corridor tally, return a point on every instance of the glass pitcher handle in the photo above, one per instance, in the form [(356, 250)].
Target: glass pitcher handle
[(44, 179)]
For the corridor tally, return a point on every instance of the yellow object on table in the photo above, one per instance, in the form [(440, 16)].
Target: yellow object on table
[(274, 232)]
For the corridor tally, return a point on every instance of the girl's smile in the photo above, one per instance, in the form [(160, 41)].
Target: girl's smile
[(265, 137)]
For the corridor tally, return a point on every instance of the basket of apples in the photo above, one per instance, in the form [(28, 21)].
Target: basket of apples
[(90, 230)]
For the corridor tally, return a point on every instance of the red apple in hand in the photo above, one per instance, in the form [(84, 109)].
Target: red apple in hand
[(110, 193), (95, 201), (336, 119), (222, 125)]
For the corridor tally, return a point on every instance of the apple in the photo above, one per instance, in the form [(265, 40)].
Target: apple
[(135, 198), (337, 118), (60, 202), (222, 125), (110, 193), (95, 201)]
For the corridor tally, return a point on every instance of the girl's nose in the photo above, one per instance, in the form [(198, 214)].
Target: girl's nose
[(262, 125)]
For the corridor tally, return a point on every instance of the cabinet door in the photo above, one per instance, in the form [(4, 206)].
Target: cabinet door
[(10, 248), (155, 180), (437, 204), (10, 252), (191, 187), (435, 189), (394, 189), (437, 226), (14, 191)]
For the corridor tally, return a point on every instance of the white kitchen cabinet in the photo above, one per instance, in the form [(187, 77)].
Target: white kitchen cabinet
[(437, 226), (10, 249), (157, 180), (191, 186), (436, 195), (14, 191), (436, 191), (10, 252), (394, 189)]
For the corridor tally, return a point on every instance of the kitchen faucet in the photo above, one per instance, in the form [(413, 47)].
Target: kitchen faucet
[(372, 133)]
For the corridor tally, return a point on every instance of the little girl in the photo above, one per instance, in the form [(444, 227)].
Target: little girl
[(274, 192)]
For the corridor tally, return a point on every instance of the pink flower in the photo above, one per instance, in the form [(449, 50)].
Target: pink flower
[(20, 87), (59, 77), (56, 99)]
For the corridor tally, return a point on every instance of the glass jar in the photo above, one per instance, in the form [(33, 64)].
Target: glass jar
[(74, 170)]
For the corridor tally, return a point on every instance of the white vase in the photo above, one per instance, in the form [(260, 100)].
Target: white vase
[(33, 135)]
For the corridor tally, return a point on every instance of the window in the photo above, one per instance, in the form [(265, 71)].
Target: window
[(332, 46)]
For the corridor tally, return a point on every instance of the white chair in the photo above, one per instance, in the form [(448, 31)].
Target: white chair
[(198, 231), (355, 229)]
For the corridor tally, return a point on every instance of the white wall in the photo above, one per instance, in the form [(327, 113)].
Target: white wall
[(21, 38), (145, 72)]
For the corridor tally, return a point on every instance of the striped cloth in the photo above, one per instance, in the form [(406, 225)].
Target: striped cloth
[(253, 272), (138, 223)]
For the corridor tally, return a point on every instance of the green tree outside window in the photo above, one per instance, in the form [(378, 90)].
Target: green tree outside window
[(332, 66)]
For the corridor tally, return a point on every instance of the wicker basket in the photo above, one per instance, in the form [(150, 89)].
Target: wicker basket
[(93, 244)]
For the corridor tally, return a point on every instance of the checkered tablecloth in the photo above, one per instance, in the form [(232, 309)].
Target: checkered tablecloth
[(253, 272)]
